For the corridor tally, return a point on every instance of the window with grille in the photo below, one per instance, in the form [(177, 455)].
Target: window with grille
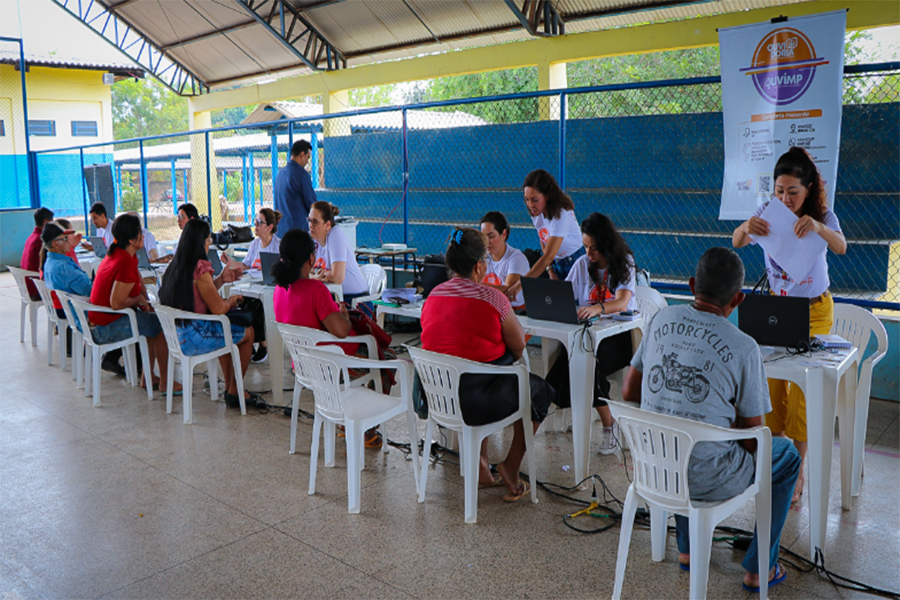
[(43, 127), (84, 128)]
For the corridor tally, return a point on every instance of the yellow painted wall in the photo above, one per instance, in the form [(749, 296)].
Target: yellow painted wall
[(61, 95)]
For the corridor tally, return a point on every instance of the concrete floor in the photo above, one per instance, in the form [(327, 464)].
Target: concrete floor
[(125, 501)]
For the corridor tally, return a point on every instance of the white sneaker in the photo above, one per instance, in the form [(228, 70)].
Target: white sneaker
[(608, 440)]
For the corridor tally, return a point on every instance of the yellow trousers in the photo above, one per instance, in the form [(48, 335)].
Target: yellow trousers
[(788, 402)]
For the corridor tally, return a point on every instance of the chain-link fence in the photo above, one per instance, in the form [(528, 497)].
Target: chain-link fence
[(15, 191), (649, 155)]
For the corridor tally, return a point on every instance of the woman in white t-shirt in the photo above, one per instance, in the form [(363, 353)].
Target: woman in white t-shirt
[(799, 185), (265, 226), (553, 214), (604, 283), (335, 259), (505, 264)]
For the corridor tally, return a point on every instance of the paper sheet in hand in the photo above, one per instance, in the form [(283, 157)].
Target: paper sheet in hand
[(795, 255)]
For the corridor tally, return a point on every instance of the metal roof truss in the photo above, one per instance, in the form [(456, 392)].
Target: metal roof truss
[(296, 33), (124, 36), (535, 12)]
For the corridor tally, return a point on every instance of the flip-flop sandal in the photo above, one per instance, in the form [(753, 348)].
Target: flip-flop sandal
[(375, 441), (780, 575), (497, 481), (684, 567), (522, 488)]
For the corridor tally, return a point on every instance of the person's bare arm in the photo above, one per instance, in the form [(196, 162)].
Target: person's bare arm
[(754, 226), (338, 323), (631, 389), (617, 304), (837, 243), (747, 423), (549, 254), (119, 298), (217, 305), (337, 273), (513, 335)]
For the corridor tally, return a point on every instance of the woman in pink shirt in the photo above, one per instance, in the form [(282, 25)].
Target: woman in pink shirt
[(189, 285)]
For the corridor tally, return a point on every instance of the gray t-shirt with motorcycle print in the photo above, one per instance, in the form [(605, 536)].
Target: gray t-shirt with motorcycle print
[(696, 365)]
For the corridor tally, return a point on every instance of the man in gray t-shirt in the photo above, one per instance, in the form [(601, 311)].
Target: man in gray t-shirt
[(692, 363)]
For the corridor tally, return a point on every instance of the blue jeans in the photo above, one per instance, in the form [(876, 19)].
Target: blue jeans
[(785, 468), (562, 266), (147, 322)]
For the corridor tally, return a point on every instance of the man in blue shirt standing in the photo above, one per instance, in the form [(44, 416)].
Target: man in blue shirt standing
[(294, 195)]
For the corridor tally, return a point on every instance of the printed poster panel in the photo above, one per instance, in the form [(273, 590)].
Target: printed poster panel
[(781, 87)]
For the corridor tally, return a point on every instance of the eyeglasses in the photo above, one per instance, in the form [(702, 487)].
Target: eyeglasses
[(260, 222), (313, 221), (62, 238)]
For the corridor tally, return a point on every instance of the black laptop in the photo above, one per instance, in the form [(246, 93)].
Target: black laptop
[(550, 300), (213, 256), (99, 246), (266, 261), (775, 320)]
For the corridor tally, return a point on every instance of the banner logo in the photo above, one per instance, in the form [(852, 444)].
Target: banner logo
[(783, 66)]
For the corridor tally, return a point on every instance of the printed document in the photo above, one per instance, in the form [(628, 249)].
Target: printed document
[(795, 255)]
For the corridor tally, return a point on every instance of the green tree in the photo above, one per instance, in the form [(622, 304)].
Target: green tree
[(229, 117), (474, 85), (143, 107)]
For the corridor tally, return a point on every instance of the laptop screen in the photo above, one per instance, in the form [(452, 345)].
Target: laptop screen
[(550, 300), (213, 256), (775, 320), (99, 246), (266, 261), (143, 260)]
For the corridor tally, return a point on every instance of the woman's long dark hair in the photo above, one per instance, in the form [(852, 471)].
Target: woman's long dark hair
[(467, 247), (797, 162), (557, 200), (177, 288), (295, 249), (125, 228), (611, 244)]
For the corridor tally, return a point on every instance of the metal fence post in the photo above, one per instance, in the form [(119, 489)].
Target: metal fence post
[(405, 151), (562, 140), (208, 184), (34, 194), (84, 192), (314, 166), (174, 188), (144, 182), (244, 188)]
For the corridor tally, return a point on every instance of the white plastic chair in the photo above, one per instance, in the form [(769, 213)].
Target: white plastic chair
[(168, 317), (857, 325), (54, 323), (661, 449), (356, 408), (21, 275), (649, 302), (376, 277), (439, 374), (77, 339), (297, 338), (82, 306)]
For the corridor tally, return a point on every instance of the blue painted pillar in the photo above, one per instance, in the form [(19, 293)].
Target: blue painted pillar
[(117, 183), (144, 182), (244, 187), (314, 163), (84, 194), (174, 188), (184, 178), (562, 140), (208, 182), (259, 177), (274, 149), (225, 184), (252, 173)]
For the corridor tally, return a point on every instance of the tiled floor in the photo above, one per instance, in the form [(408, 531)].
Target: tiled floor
[(124, 501)]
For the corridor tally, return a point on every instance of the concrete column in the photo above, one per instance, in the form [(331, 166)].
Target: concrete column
[(200, 196), (551, 76), (336, 102)]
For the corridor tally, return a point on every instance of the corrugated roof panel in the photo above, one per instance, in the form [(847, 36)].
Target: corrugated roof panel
[(218, 14), (163, 22), (454, 17), (356, 27)]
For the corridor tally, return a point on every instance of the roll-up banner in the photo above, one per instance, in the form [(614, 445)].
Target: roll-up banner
[(781, 87)]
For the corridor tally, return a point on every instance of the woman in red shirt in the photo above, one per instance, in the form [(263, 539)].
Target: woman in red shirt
[(466, 319), (118, 285)]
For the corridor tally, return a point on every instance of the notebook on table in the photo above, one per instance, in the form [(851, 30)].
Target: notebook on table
[(830, 341), (775, 320), (99, 246), (143, 260), (550, 300)]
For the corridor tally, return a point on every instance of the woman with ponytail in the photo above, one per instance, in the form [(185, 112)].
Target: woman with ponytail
[(466, 319), (799, 186), (118, 285)]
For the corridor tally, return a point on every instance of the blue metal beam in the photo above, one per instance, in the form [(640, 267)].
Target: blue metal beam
[(108, 23), (309, 46)]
